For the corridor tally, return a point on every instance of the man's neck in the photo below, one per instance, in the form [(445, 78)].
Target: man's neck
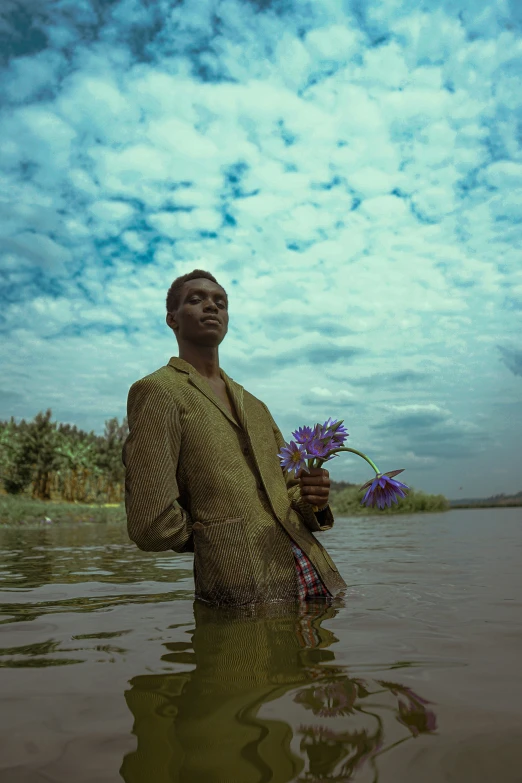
[(208, 367)]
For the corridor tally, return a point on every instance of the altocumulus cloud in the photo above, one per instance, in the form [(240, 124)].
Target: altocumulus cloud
[(351, 172)]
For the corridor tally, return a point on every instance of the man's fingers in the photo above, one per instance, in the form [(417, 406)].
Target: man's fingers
[(319, 493), (315, 481), (315, 486)]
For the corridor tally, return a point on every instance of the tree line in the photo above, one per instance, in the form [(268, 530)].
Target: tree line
[(52, 461)]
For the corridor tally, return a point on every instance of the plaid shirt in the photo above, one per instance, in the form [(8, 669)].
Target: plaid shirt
[(309, 583)]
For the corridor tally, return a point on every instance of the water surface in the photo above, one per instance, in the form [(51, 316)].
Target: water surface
[(110, 671)]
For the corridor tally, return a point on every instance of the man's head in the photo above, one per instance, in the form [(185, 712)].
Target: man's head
[(192, 298)]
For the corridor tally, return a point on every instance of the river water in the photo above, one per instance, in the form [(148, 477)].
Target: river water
[(110, 671)]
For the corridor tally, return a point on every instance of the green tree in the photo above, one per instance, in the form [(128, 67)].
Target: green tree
[(16, 474)]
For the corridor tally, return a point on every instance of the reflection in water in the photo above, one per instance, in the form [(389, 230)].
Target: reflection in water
[(75, 554), (264, 697), (205, 724)]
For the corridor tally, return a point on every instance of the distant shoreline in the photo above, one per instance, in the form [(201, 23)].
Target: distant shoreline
[(493, 501), (508, 504), (20, 511)]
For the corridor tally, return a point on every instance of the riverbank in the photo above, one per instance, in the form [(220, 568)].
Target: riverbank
[(16, 510), (23, 510), (508, 504)]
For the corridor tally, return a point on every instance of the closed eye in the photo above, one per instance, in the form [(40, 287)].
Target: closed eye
[(192, 301)]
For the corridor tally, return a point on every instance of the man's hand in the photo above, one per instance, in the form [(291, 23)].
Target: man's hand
[(315, 486)]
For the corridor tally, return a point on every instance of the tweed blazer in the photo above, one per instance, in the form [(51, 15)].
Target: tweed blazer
[(200, 480)]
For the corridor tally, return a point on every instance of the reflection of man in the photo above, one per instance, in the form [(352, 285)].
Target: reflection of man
[(204, 725), (203, 472), (263, 684)]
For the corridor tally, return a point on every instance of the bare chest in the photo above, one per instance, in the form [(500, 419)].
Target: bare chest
[(221, 391)]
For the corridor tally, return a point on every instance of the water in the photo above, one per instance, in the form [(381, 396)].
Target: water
[(110, 671)]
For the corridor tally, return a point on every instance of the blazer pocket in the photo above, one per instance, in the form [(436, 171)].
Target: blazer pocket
[(223, 571)]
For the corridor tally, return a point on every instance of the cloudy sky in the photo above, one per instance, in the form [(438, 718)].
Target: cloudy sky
[(351, 173)]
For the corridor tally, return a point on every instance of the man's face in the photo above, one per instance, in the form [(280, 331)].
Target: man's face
[(201, 299)]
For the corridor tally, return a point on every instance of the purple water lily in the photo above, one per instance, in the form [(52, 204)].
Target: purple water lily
[(313, 446), (331, 431), (383, 490), (312, 443)]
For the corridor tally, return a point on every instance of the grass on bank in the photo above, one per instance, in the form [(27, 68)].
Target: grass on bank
[(347, 502), (24, 510)]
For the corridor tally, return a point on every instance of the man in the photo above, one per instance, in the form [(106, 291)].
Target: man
[(203, 473)]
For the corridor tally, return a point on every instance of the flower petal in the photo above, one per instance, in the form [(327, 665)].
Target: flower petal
[(392, 473)]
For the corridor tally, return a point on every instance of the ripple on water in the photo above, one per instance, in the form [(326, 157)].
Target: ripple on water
[(105, 653)]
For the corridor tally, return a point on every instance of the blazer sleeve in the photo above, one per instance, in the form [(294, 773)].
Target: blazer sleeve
[(314, 521), (155, 520)]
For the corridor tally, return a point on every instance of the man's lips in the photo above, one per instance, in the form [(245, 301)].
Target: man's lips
[(210, 319)]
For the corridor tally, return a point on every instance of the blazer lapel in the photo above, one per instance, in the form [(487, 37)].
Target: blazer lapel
[(235, 391)]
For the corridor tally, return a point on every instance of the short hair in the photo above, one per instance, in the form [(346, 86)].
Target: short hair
[(174, 292)]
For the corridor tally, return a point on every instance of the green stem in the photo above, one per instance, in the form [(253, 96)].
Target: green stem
[(393, 745), (334, 451)]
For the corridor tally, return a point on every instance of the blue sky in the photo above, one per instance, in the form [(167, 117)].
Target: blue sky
[(351, 173)]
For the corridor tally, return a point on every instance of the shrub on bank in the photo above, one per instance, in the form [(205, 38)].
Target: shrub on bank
[(347, 502), (21, 509)]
